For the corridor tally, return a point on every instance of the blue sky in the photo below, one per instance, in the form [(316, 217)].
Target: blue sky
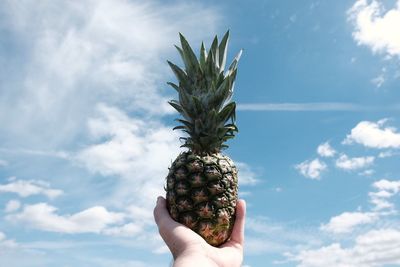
[(86, 132)]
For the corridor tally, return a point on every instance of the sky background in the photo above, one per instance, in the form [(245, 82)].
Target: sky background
[(86, 132)]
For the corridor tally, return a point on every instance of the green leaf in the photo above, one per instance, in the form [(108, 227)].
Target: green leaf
[(227, 112), (179, 127), (175, 105), (235, 62), (186, 123), (180, 52), (189, 58), (176, 87), (181, 76), (223, 51), (231, 127), (203, 57), (215, 51)]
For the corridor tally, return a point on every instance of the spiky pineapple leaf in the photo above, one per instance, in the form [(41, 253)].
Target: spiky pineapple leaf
[(189, 58), (223, 50), (176, 87), (215, 51), (235, 62), (227, 112), (181, 76), (203, 57)]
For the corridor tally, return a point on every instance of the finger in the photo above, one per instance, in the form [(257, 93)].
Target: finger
[(237, 235), (160, 210), (163, 219)]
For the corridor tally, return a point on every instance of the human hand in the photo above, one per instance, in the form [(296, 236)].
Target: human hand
[(190, 249)]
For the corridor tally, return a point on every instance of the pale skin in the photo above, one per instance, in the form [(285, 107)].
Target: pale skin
[(190, 249)]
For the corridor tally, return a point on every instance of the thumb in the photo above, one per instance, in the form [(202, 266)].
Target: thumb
[(237, 235)]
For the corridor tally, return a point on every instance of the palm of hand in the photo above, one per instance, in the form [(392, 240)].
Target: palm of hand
[(183, 242)]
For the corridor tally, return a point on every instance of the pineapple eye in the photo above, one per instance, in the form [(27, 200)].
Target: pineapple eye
[(195, 166), (212, 172)]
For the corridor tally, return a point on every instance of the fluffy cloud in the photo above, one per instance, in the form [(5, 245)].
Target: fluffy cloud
[(386, 185), (386, 190), (346, 163), (345, 222), (311, 169), (12, 205), (376, 26), (30, 187), (135, 150), (43, 217), (374, 134), (374, 248), (325, 150)]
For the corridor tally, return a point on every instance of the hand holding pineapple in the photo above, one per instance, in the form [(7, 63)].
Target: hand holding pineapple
[(190, 249)]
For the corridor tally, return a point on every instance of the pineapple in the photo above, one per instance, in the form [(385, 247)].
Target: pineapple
[(202, 183)]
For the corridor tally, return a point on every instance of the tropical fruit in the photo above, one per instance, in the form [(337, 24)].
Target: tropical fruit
[(202, 183)]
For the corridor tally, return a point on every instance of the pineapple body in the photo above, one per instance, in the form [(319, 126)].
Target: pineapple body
[(202, 194)]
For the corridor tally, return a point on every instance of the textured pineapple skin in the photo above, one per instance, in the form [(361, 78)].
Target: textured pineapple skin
[(202, 194)]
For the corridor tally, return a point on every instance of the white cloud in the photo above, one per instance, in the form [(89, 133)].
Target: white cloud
[(26, 188), (378, 81), (126, 230), (368, 172), (387, 154), (264, 236), (374, 134), (300, 107), (95, 51), (346, 163), (393, 186), (347, 221), (6, 243), (3, 163), (12, 205), (138, 152), (376, 27), (246, 174), (43, 217), (374, 248), (311, 169), (381, 198), (325, 150)]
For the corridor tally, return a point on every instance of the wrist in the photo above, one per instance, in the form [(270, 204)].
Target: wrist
[(193, 259)]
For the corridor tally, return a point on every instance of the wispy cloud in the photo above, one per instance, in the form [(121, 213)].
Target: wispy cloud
[(328, 106), (101, 51), (3, 163), (26, 188), (43, 216), (12, 205), (318, 106)]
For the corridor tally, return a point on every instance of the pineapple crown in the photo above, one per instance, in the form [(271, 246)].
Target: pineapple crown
[(205, 90)]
